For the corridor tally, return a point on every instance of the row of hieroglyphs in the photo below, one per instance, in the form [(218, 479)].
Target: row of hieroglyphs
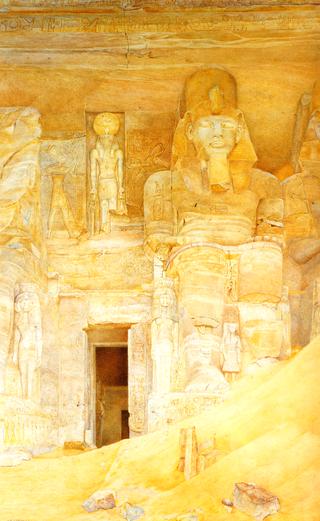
[(234, 23)]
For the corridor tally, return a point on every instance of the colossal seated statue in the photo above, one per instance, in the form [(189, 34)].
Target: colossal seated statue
[(216, 222), (302, 190)]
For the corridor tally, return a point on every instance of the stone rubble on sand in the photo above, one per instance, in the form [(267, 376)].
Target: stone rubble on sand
[(100, 500), (131, 512), (255, 501), (228, 504), (13, 457)]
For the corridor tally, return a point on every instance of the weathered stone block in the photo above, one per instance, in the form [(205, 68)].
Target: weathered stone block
[(100, 500), (255, 501)]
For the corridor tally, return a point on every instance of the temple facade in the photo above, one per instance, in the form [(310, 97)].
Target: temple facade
[(160, 209)]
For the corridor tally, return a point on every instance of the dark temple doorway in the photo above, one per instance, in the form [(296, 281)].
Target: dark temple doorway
[(111, 386)]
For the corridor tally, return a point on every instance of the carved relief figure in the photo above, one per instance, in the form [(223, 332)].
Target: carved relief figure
[(231, 351), (27, 347), (315, 327), (63, 184), (60, 203), (163, 334), (106, 170)]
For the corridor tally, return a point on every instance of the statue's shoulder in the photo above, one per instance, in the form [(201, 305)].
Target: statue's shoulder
[(265, 184)]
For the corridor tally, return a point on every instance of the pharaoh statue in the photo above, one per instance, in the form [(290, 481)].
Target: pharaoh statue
[(106, 173), (302, 190), (216, 222), (27, 348), (301, 193)]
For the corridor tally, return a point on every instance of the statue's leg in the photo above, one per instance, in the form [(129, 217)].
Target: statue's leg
[(113, 203), (6, 315), (105, 216), (30, 378), (104, 207), (24, 378)]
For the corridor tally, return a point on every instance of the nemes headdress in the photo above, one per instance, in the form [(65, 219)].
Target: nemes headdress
[(213, 92)]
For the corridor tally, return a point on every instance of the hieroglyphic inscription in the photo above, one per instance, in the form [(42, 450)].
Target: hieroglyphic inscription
[(139, 360), (239, 23)]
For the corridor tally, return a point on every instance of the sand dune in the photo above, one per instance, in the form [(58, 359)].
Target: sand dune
[(268, 432)]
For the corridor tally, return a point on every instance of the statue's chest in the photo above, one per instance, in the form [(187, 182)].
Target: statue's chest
[(107, 158)]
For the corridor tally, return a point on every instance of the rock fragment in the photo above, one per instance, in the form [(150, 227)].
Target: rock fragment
[(228, 504), (255, 501), (131, 512), (100, 500), (13, 457)]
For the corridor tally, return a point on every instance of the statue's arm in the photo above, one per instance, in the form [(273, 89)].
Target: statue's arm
[(38, 334), (16, 342), (120, 169), (93, 171), (35, 320)]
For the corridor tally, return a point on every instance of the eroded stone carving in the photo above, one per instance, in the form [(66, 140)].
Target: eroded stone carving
[(302, 190), (139, 376), (216, 223), (60, 203), (63, 186), (106, 173), (163, 334), (19, 137), (315, 326), (27, 347), (231, 350)]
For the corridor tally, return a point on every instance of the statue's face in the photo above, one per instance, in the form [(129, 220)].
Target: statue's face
[(215, 134), (24, 302), (106, 124)]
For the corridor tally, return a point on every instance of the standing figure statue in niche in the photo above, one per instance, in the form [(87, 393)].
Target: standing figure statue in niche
[(27, 347), (106, 171), (231, 351)]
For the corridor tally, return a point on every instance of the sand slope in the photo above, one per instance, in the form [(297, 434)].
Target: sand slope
[(268, 432)]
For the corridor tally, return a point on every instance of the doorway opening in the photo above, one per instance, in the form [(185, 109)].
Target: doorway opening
[(110, 384)]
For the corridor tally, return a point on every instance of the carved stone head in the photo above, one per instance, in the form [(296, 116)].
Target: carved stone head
[(214, 135), (214, 130), (106, 124)]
